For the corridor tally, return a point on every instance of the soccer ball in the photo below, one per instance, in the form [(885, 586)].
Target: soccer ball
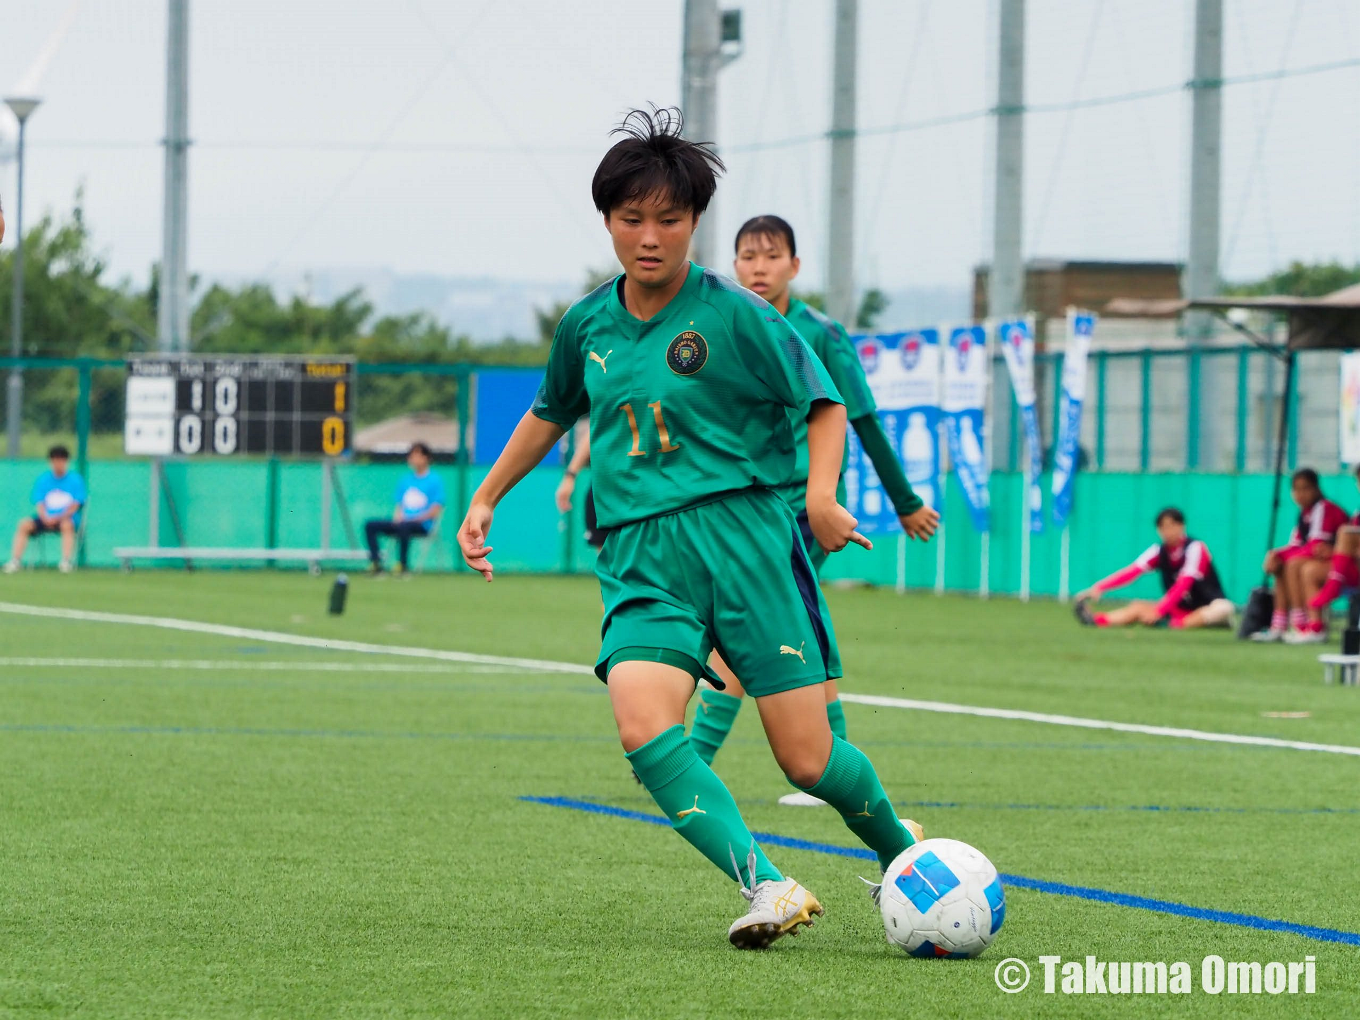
[(942, 897)]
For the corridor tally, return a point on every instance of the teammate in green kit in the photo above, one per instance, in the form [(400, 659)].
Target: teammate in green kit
[(689, 382), (766, 263)]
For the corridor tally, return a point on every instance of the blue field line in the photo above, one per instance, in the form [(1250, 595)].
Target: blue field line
[(1015, 881)]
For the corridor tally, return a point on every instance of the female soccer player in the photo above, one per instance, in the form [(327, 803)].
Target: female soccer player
[(767, 263), (689, 382)]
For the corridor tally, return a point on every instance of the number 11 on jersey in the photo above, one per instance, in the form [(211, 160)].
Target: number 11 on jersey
[(663, 433)]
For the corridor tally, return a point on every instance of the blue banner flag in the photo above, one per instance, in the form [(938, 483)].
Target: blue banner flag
[(966, 369), (1067, 453), (1017, 345), (903, 370)]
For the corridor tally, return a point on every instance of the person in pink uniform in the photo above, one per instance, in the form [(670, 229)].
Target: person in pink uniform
[(1193, 593)]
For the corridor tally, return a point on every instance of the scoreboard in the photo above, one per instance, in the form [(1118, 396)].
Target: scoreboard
[(185, 405)]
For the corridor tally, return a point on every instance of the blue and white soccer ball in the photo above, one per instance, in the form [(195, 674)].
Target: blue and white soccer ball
[(942, 898)]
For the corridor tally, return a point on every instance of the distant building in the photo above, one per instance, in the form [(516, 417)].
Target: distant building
[(393, 437), (1054, 285)]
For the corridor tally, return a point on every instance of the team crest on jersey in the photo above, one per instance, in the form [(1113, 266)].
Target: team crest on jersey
[(687, 353), (869, 353)]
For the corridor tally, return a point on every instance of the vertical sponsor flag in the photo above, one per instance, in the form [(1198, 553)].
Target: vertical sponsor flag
[(1066, 453), (903, 370), (1017, 345), (966, 369), (1350, 408)]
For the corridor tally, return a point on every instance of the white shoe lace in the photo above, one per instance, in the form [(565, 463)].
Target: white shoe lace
[(875, 888), (749, 893)]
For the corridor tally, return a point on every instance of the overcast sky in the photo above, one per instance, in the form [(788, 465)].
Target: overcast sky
[(459, 136)]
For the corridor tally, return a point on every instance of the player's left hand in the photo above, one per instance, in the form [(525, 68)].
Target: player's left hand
[(834, 526), (921, 524), (472, 539)]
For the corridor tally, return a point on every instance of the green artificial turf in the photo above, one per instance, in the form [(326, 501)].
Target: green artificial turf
[(247, 833)]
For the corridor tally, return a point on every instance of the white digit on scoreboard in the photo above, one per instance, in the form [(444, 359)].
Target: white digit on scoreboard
[(196, 396), (224, 435), (224, 395), (190, 434)]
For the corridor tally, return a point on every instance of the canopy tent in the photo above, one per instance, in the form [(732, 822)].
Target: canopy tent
[(1331, 322)]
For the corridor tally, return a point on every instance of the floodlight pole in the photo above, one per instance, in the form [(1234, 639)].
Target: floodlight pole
[(1006, 279), (712, 40), (1201, 267), (840, 229), (22, 108), (173, 310)]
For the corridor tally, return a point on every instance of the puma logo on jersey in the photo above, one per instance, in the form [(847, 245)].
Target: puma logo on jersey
[(786, 650), (595, 357), (696, 810)]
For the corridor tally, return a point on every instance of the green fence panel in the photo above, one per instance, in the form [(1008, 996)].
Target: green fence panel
[(225, 504)]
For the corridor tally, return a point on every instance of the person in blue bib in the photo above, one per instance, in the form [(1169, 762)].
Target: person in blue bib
[(420, 500), (58, 496)]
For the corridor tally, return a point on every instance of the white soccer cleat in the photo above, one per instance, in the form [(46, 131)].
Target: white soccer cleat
[(1306, 637), (777, 909), (801, 799), (65, 566), (1267, 636), (11, 567)]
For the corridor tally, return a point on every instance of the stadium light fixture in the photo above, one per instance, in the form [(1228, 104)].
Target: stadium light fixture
[(22, 107), (730, 44)]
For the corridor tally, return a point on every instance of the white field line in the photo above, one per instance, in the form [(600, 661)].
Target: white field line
[(277, 637), (1095, 724), (298, 640), (246, 665)]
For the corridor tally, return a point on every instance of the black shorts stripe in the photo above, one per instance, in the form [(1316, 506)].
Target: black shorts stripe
[(806, 578)]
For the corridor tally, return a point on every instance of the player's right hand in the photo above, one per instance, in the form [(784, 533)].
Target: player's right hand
[(565, 488), (1090, 594), (834, 526), (472, 539)]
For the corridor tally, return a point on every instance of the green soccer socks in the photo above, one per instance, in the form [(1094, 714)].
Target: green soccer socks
[(835, 715), (713, 719), (717, 712), (851, 786), (698, 805)]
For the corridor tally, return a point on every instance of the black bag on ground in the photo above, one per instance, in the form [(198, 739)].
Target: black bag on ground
[(1256, 615)]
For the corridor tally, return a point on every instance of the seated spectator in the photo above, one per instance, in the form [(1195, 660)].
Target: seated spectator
[(420, 502), (1326, 584), (58, 496), (1310, 542), (1194, 597)]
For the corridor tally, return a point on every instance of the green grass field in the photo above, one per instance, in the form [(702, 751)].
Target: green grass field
[(199, 825)]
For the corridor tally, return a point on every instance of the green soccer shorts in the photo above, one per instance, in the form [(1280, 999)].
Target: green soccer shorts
[(731, 575)]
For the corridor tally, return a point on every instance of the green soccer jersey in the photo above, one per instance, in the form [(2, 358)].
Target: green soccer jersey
[(830, 342), (694, 404)]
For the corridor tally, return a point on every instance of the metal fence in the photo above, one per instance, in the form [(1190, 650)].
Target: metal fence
[(1215, 410), (1141, 412)]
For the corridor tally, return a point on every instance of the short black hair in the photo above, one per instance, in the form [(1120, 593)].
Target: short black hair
[(653, 159), (422, 447), (1306, 475), (58, 452), (1173, 512), (767, 226)]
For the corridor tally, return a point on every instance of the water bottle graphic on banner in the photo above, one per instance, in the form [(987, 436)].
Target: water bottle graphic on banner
[(972, 449), (918, 457), (967, 369)]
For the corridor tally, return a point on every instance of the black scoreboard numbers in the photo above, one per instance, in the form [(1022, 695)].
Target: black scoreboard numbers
[(186, 406)]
